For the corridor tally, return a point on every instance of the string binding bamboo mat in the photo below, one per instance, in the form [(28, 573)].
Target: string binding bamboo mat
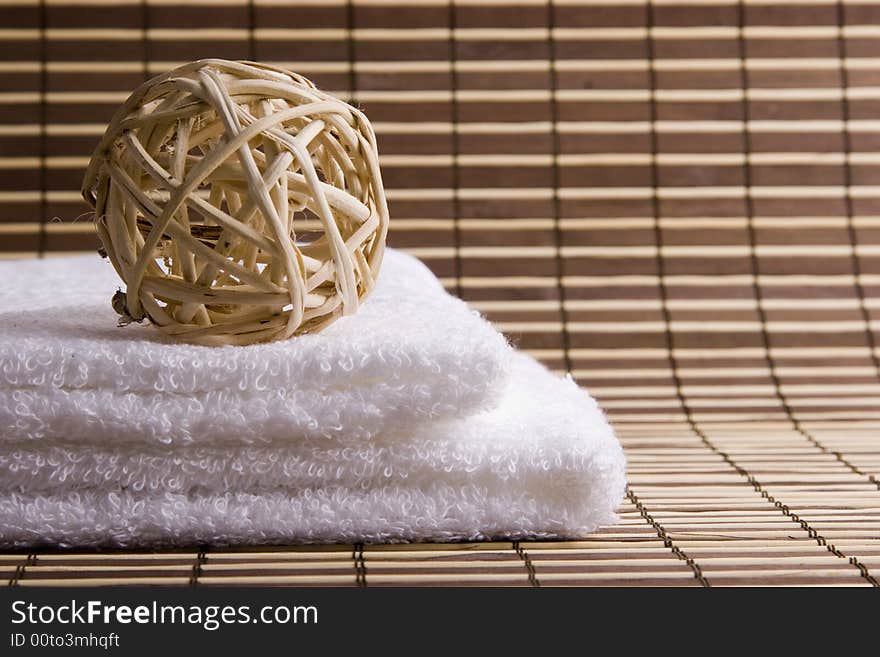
[(678, 202)]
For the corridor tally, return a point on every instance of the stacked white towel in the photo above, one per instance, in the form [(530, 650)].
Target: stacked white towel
[(410, 420)]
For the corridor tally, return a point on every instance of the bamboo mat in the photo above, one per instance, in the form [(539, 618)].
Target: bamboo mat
[(678, 202)]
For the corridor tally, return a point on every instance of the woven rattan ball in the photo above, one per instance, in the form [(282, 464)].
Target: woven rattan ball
[(238, 203)]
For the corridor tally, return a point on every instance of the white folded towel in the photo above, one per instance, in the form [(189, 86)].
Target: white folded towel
[(542, 463), (511, 451), (412, 354)]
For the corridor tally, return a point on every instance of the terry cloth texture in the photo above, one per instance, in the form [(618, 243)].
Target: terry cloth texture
[(413, 354), (410, 420)]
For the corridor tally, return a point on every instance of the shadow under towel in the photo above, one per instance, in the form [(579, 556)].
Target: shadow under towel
[(516, 452)]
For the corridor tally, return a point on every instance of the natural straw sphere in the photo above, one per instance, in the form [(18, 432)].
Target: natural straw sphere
[(238, 203)]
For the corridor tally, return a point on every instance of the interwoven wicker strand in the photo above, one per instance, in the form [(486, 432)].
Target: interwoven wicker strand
[(200, 184)]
